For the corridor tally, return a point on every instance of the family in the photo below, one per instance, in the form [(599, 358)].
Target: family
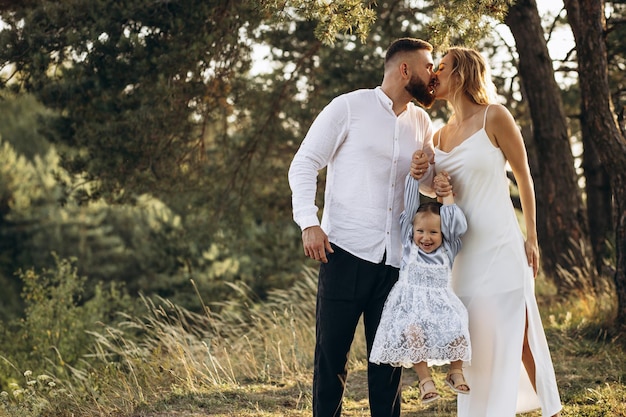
[(445, 280)]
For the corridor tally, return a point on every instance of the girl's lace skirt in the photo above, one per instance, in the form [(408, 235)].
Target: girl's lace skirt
[(422, 321)]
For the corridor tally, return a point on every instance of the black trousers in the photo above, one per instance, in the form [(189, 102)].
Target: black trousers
[(349, 287)]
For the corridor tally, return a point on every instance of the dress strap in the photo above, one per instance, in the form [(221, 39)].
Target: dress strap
[(485, 116)]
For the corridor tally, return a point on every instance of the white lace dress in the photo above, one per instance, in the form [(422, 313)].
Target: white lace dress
[(423, 320)]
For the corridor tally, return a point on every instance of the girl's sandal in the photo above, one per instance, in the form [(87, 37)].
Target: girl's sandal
[(429, 395), (455, 380)]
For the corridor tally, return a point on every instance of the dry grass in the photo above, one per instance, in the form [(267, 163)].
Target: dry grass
[(255, 360)]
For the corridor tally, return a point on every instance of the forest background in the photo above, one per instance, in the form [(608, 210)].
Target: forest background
[(147, 248)]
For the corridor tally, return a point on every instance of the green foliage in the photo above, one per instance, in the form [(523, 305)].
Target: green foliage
[(141, 244), (21, 186), (135, 81), (152, 99), (32, 397), (145, 246), (141, 85), (19, 119), (333, 18), (52, 337), (463, 22), (260, 259)]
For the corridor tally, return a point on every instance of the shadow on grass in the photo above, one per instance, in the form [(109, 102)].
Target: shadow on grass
[(356, 402), (249, 399), (590, 373)]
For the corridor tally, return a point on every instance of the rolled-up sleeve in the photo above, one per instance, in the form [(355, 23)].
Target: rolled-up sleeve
[(318, 147)]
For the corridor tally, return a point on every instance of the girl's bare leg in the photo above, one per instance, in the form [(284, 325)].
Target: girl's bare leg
[(428, 390), (422, 370), (455, 378)]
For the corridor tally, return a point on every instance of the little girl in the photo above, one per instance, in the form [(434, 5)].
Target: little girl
[(423, 322)]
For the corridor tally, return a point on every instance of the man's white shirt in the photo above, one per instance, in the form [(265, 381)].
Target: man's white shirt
[(367, 150)]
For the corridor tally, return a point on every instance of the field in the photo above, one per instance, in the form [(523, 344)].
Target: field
[(255, 359)]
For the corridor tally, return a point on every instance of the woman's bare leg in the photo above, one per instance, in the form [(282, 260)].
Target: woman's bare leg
[(529, 362)]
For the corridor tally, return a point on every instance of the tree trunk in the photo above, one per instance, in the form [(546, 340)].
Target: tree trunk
[(598, 121), (599, 204), (561, 220)]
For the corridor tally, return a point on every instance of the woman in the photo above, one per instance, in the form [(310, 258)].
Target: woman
[(494, 273)]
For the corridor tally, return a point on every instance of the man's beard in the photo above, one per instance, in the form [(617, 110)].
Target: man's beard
[(420, 92)]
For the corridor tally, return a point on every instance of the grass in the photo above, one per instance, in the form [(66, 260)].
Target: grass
[(255, 359)]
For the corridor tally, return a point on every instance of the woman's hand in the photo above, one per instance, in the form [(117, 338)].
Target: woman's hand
[(532, 254)]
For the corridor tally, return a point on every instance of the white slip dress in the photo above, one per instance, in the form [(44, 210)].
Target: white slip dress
[(492, 277)]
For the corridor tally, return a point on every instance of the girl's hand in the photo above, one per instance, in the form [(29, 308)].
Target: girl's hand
[(442, 184)]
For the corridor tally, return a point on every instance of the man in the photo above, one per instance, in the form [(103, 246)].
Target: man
[(368, 139)]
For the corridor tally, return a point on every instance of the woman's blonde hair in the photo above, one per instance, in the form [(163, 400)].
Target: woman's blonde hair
[(473, 75)]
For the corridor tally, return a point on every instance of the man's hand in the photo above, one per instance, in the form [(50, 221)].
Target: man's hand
[(419, 164), (315, 243)]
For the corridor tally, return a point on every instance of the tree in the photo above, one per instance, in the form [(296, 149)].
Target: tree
[(141, 86), (151, 97), (598, 121), (127, 79), (616, 55), (562, 223), (157, 98)]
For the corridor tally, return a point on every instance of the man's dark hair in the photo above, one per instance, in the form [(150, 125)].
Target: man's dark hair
[(406, 45)]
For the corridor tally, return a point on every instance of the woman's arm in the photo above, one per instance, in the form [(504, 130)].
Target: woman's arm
[(504, 131)]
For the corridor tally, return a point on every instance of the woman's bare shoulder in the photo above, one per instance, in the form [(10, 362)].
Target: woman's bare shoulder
[(497, 111), (499, 124), (498, 117)]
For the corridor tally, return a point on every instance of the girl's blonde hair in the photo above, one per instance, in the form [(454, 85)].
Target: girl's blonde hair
[(473, 75)]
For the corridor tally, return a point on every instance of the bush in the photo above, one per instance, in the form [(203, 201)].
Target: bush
[(56, 322)]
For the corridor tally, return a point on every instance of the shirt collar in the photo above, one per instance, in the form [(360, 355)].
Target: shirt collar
[(386, 102), (384, 98)]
